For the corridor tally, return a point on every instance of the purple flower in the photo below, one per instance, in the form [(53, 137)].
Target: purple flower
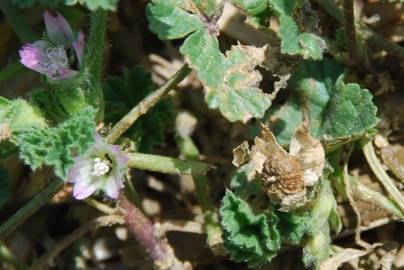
[(102, 167), (54, 56)]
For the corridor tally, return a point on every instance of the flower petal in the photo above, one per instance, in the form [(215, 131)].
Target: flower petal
[(112, 187), (32, 57), (58, 29), (78, 46), (84, 189)]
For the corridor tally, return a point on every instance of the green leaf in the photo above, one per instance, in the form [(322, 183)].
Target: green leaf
[(19, 114), (230, 81), (294, 226), (293, 41), (5, 187), (241, 185), (56, 146), (208, 7), (15, 116), (336, 110), (248, 237), (169, 19), (95, 4), (122, 94)]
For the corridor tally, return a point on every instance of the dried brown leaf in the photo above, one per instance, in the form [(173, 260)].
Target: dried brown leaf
[(310, 153)]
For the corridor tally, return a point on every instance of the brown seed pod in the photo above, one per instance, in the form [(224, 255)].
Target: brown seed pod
[(281, 173)]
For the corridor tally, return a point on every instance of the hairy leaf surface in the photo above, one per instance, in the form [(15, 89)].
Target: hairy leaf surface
[(249, 237), (335, 109), (58, 145), (230, 80)]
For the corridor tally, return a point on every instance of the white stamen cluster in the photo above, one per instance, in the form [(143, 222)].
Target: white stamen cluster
[(100, 167)]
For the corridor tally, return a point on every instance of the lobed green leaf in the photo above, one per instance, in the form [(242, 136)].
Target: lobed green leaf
[(336, 110), (248, 237), (230, 81), (58, 145)]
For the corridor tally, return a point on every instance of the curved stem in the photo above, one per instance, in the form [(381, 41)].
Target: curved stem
[(146, 104), (381, 174), (30, 208)]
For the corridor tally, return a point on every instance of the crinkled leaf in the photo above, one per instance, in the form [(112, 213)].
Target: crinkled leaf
[(122, 94), (336, 110), (58, 145), (294, 226), (231, 81), (248, 237), (5, 186)]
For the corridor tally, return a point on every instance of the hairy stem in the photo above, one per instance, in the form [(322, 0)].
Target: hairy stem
[(372, 38), (211, 225), (381, 174), (17, 21), (156, 246), (93, 60), (349, 26), (30, 208), (103, 221), (146, 104), (168, 165)]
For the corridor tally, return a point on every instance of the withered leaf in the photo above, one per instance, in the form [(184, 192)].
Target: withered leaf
[(310, 153)]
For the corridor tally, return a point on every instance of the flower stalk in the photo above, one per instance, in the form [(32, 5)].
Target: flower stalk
[(153, 241)]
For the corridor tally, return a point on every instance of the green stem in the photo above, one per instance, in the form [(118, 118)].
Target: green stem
[(17, 21), (93, 59), (212, 226), (381, 174), (372, 38), (30, 208), (167, 165), (146, 104)]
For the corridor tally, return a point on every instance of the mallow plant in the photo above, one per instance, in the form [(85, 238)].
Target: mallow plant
[(91, 129)]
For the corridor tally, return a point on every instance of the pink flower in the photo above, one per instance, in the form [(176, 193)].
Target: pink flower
[(102, 167), (51, 57)]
